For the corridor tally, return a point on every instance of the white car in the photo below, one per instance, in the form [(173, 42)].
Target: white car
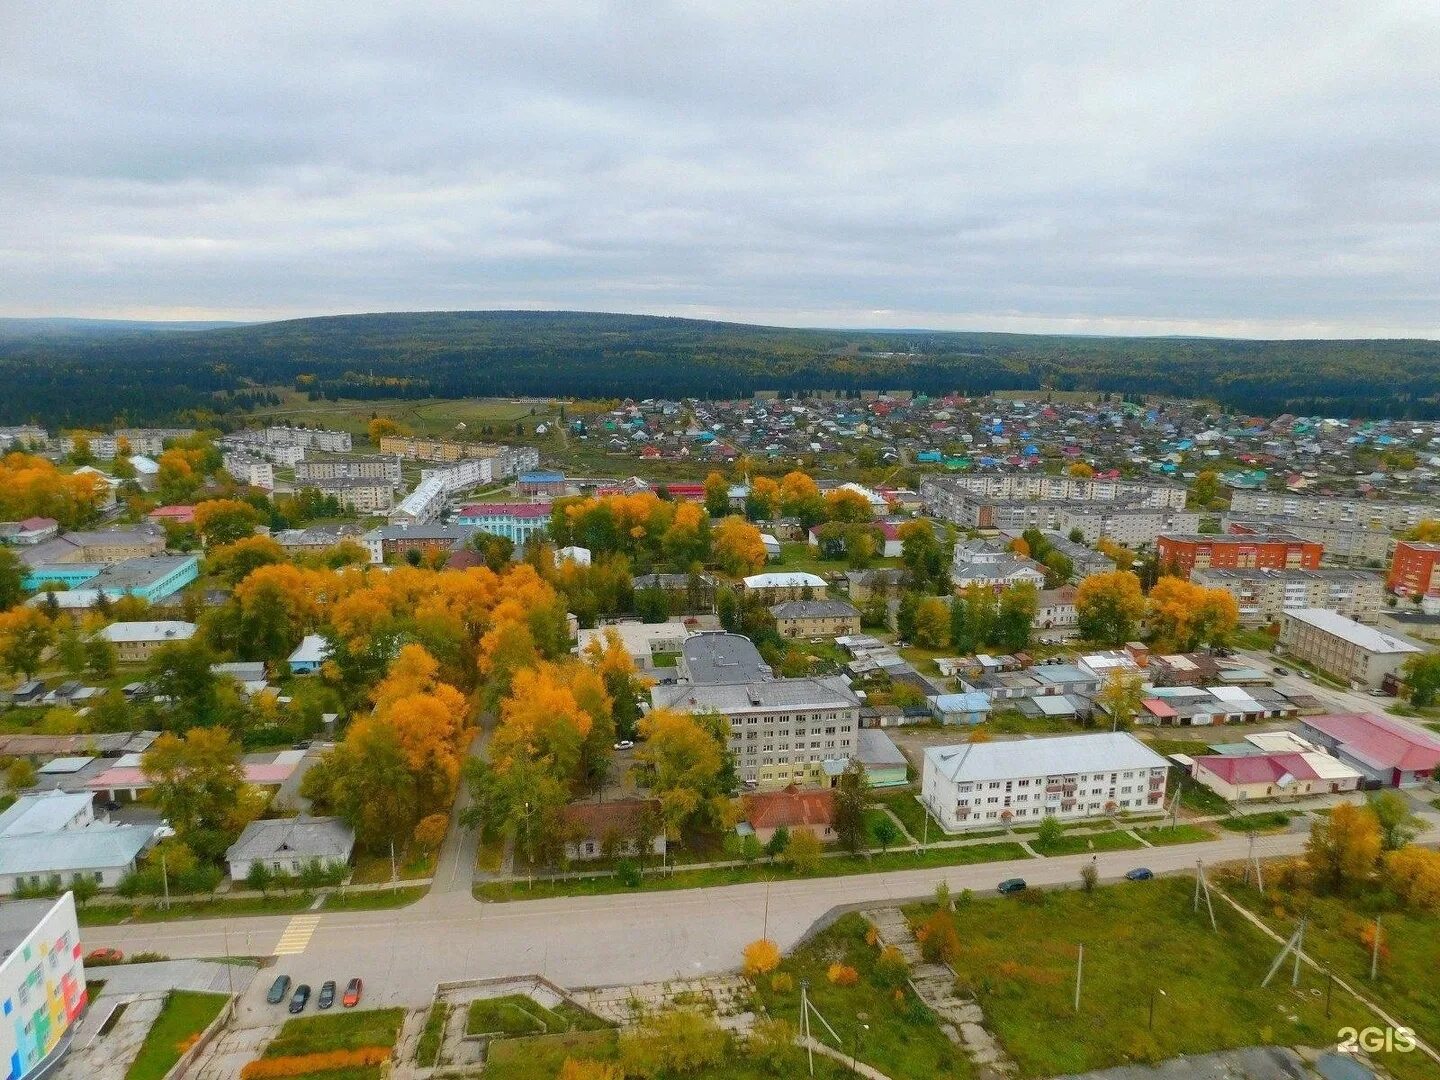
[(624, 744), (163, 831)]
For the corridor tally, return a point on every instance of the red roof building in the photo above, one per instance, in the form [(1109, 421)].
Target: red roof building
[(181, 515), (791, 809), (1383, 748)]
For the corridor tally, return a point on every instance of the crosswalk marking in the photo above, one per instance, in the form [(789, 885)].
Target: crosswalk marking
[(297, 935)]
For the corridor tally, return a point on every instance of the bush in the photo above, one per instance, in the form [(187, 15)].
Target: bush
[(628, 871), (782, 982), (891, 968), (939, 940), (772, 1042), (761, 957), (304, 1064), (673, 1041), (842, 975)]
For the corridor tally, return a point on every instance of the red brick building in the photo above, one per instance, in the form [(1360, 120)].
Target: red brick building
[(1271, 551), (1415, 569)]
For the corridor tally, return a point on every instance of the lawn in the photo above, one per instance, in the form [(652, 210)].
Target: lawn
[(427, 1050), (1410, 951), (1162, 835), (840, 866), (513, 1014), (1272, 821), (1083, 843), (541, 1058), (1014, 722), (903, 1039), (1019, 957), (374, 899), (115, 914), (182, 1018), (374, 869), (350, 1030), (909, 810)]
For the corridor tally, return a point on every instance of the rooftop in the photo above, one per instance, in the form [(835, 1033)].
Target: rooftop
[(723, 658), (831, 692), (306, 837), (1379, 740), (784, 580), (1348, 630), (813, 609), (47, 812), (790, 809), (1064, 754), (157, 630)]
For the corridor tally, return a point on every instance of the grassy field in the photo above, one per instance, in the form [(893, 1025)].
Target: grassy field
[(1269, 821), (427, 1050), (1162, 835), (182, 1018), (910, 811), (114, 914), (1018, 957), (1410, 951), (374, 899), (901, 1038), (841, 866), (349, 1030), (1083, 843), (513, 1014), (374, 869)]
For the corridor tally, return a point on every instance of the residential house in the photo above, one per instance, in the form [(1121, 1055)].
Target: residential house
[(1282, 775), (790, 809), (615, 828), (288, 845), (54, 834), (1388, 751), (1263, 596), (864, 585), (136, 642), (309, 655), (815, 618), (785, 585), (1343, 647), (1055, 609)]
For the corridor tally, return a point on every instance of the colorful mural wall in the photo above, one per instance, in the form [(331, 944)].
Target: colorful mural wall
[(42, 991)]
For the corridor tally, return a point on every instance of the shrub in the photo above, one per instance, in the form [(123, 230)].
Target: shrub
[(772, 1042), (628, 871), (761, 957), (430, 832), (303, 1064), (942, 896), (891, 968), (673, 1041), (939, 941), (589, 1070), (782, 982), (842, 975)]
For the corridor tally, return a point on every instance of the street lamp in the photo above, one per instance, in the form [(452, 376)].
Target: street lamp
[(1153, 992)]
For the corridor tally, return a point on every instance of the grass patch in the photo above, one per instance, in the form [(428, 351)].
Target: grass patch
[(578, 1019), (1271, 821), (512, 1015), (903, 1037), (1015, 722), (911, 812), (349, 1030), (1162, 835), (490, 855), (541, 1058), (374, 869), (427, 1051), (115, 914), (1083, 843), (1018, 958), (841, 866), (374, 899), (182, 1018)]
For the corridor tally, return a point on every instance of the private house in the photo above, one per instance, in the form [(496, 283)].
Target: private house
[(288, 845), (313, 651), (1388, 751), (1292, 775), (610, 829), (815, 618), (783, 585), (791, 809), (136, 642), (31, 531), (1068, 777)]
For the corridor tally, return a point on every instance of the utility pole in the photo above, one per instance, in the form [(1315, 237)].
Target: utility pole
[(805, 1022), (394, 876), (1299, 948), (765, 921), (1079, 970), (165, 880), (1375, 951)]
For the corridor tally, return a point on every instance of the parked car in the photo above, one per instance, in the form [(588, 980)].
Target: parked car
[(1282, 671), (327, 994), (164, 831), (104, 956), (278, 989), (301, 998), (1378, 693), (624, 744), (1011, 885), (352, 993), (1140, 873)]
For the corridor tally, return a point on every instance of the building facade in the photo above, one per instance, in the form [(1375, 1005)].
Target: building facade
[(42, 984), (815, 618), (1264, 595), (350, 467), (1274, 551), (1323, 510), (516, 522), (136, 642), (1414, 569), (1343, 647)]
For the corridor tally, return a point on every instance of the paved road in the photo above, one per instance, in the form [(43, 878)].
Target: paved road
[(602, 940)]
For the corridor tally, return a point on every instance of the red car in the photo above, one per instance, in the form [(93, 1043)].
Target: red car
[(352, 993), (104, 956)]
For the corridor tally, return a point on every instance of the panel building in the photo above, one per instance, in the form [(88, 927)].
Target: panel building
[(349, 467), (1415, 569), (1273, 551), (1325, 510), (42, 984), (1344, 647), (1264, 595)]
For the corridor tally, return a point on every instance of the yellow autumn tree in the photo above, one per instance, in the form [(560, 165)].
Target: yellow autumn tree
[(762, 956), (1413, 873), (1343, 848), (737, 546)]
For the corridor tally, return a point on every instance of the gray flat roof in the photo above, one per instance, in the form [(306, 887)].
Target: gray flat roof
[(713, 658)]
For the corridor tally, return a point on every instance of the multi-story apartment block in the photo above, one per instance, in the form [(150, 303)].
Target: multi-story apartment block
[(331, 442), (1273, 551), (1264, 595), (462, 475), (349, 467), (516, 522), (1343, 543), (1343, 647), (386, 541), (421, 506), (1070, 777), (1415, 569), (782, 731), (23, 436), (1324, 510), (359, 495), (815, 618), (286, 455), (254, 471), (938, 491), (504, 460)]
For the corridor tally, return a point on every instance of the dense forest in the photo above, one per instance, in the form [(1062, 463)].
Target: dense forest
[(84, 374)]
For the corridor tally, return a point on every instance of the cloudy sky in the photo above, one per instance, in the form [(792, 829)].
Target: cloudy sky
[(1151, 167)]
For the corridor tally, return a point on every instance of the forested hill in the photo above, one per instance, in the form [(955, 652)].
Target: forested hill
[(145, 375)]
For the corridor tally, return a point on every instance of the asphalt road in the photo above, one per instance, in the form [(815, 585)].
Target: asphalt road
[(602, 940)]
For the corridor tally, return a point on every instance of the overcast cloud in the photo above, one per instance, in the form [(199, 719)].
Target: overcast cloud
[(1246, 168)]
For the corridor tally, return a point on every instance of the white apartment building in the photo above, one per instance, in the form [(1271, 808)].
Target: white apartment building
[(253, 471), (331, 442), (1068, 488), (421, 506), (350, 467), (463, 475), (1325, 510), (782, 731), (1068, 777)]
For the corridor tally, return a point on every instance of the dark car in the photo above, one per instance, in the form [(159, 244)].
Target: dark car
[(353, 989), (1282, 671), (327, 994), (1140, 873), (301, 998), (278, 989), (1009, 885)]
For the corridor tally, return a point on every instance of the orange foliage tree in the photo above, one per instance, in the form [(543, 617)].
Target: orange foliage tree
[(737, 546), (761, 957), (33, 487)]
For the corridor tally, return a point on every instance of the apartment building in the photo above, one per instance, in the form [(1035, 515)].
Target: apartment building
[(815, 618), (350, 467), (516, 522), (254, 471), (1069, 777), (504, 460), (1414, 569), (331, 442), (462, 475), (421, 506), (136, 642), (359, 495), (388, 541), (1325, 510), (782, 731), (1273, 551), (1344, 647), (1348, 544), (938, 492), (1264, 595), (252, 443)]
